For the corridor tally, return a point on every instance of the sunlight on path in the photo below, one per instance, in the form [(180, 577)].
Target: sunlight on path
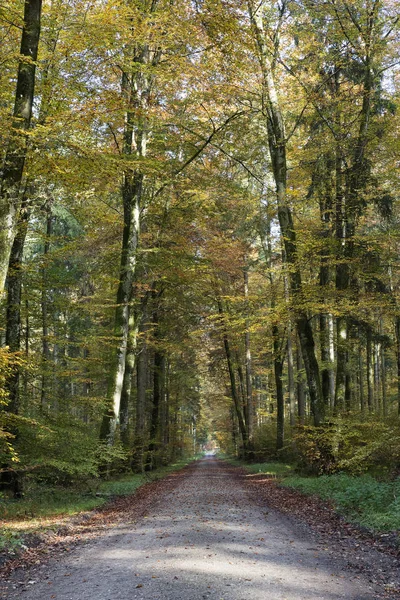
[(205, 540)]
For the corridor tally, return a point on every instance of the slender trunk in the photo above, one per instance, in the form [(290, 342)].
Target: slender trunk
[(332, 381), (370, 372), (301, 398), (325, 355), (242, 385), (158, 389), (141, 385), (383, 379), (291, 383), (325, 177), (348, 392), (377, 377), (234, 391), (135, 320), (277, 149), (234, 431), (127, 382), (164, 413), (341, 282), (44, 307), (361, 378), (13, 309), (13, 168), (13, 335), (280, 402), (340, 391), (277, 350), (290, 367), (249, 412), (27, 339), (307, 345)]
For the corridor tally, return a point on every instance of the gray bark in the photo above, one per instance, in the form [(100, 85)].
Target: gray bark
[(44, 307), (249, 411), (14, 162), (136, 87), (12, 478), (277, 149), (13, 308), (370, 372), (301, 397), (291, 385), (280, 402), (234, 391), (141, 386)]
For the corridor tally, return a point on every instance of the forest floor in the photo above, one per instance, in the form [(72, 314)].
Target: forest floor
[(207, 532)]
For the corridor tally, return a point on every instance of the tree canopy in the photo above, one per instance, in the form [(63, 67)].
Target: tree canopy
[(199, 210)]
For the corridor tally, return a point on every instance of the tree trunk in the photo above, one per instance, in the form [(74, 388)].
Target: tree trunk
[(280, 401), (383, 379), (14, 162), (234, 391), (332, 382), (13, 334), (249, 411), (135, 143), (291, 385), (370, 371), (132, 191), (361, 378), (127, 383), (141, 369), (348, 388), (44, 307), (242, 384), (277, 149), (301, 399), (377, 376), (340, 391), (164, 413), (324, 343), (152, 461), (324, 182), (13, 309)]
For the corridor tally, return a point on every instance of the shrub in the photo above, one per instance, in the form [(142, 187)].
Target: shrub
[(354, 446)]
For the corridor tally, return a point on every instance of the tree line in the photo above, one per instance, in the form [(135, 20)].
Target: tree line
[(198, 233)]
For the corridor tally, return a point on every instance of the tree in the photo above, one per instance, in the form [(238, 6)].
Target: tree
[(277, 140), (14, 160)]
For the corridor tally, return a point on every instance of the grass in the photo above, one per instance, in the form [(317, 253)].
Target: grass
[(128, 484), (272, 469), (362, 499), (45, 507), (47, 503)]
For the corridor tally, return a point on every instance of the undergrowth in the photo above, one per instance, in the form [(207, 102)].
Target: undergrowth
[(42, 505), (363, 499), (272, 469)]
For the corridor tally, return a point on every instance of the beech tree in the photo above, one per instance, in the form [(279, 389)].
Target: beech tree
[(14, 159), (201, 210)]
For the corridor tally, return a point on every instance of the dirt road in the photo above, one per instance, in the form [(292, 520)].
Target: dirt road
[(205, 539)]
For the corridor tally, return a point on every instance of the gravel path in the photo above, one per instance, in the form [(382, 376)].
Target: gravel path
[(206, 539)]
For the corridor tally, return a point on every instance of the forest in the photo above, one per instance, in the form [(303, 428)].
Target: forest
[(199, 235)]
